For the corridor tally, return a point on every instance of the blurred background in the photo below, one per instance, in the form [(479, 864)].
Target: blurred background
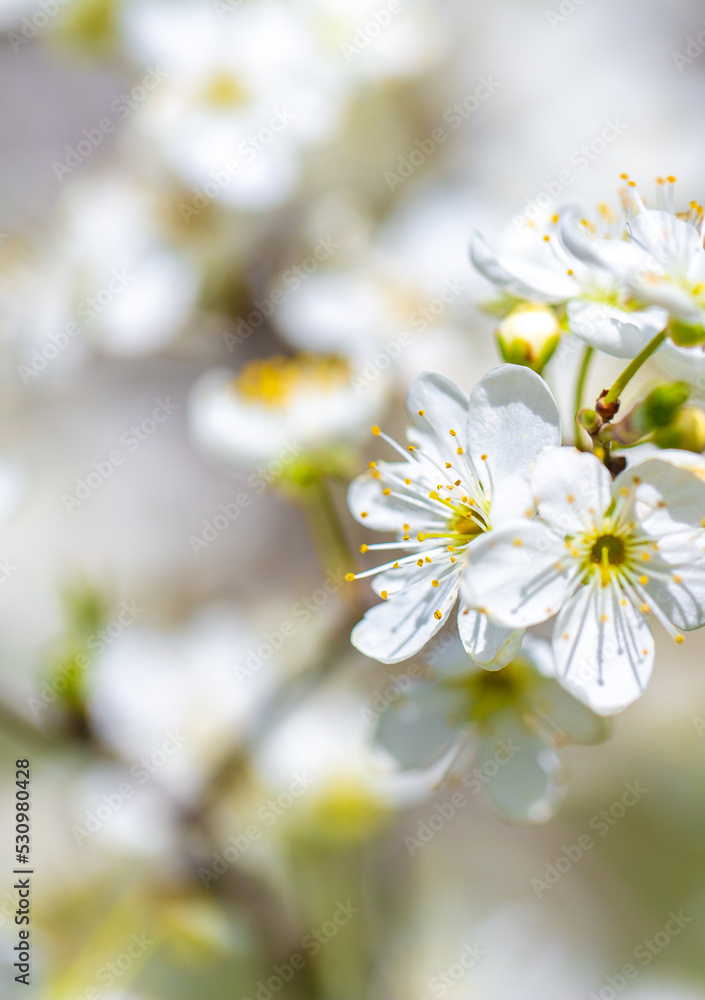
[(232, 231)]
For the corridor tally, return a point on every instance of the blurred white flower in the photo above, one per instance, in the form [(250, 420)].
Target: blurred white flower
[(484, 445), (384, 302), (324, 742), (665, 265), (171, 701), (279, 408), (249, 89), (514, 719), (561, 270), (104, 276), (607, 555)]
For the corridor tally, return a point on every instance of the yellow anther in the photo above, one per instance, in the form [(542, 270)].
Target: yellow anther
[(376, 431), (421, 413), (435, 583), (459, 451), (350, 577), (643, 580), (679, 638), (383, 594), (452, 432), (438, 615), (419, 562), (518, 542), (386, 491), (483, 457), (407, 482), (363, 513), (364, 548)]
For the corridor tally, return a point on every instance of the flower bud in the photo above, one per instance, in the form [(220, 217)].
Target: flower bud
[(686, 430), (685, 334), (656, 411), (528, 335)]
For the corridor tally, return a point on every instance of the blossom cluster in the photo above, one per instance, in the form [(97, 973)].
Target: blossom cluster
[(494, 515)]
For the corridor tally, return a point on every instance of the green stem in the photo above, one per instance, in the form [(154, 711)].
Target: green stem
[(325, 523), (633, 367), (580, 388)]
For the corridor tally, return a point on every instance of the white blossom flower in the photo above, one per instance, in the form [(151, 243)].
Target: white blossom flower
[(463, 474), (277, 408), (607, 555), (170, 701), (597, 301), (104, 274), (515, 718), (662, 265)]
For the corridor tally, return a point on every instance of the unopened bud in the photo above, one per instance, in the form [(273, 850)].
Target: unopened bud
[(686, 431), (589, 420), (686, 334), (529, 335), (657, 410)]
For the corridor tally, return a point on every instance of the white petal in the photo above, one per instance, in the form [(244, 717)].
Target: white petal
[(423, 727), (668, 238), (511, 499), (488, 644), (618, 257), (523, 278), (669, 493), (603, 648), (617, 332), (444, 406), (527, 786), (517, 574), (399, 627), (372, 508), (512, 417), (570, 488)]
